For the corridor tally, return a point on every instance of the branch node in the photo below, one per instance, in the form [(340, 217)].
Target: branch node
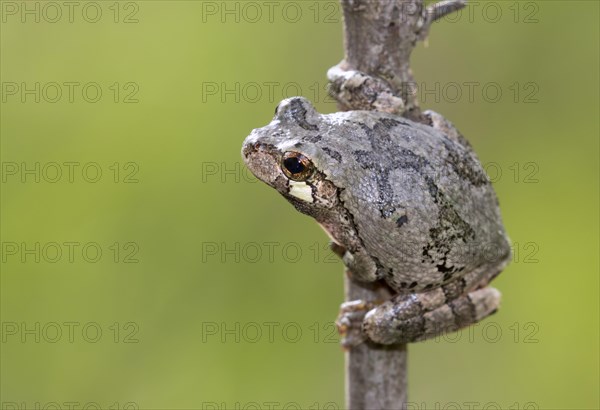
[(360, 91)]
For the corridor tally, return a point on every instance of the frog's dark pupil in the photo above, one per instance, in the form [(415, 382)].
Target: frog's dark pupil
[(294, 165)]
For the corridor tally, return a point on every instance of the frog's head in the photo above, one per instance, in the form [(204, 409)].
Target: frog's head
[(286, 155)]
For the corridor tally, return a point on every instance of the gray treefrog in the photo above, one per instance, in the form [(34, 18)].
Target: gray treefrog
[(404, 203)]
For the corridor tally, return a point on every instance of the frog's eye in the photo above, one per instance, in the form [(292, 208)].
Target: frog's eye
[(296, 166)]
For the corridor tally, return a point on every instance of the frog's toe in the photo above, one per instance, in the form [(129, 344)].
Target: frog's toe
[(349, 322)]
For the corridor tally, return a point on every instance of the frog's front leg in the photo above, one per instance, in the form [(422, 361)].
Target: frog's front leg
[(363, 268), (420, 316), (359, 265)]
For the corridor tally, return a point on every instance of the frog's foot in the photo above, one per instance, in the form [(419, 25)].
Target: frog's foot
[(350, 320), (420, 316)]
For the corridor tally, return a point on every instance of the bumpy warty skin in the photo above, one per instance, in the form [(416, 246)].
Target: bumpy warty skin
[(411, 205)]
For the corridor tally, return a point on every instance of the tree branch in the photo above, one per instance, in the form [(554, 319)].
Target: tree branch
[(379, 36), (375, 374)]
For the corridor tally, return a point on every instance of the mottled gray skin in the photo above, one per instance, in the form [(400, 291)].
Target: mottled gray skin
[(404, 203)]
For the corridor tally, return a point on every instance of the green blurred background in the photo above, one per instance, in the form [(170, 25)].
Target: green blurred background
[(211, 291)]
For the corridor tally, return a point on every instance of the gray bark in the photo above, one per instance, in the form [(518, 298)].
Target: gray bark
[(379, 36), (375, 374)]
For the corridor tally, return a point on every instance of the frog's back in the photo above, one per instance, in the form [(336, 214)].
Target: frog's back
[(425, 191)]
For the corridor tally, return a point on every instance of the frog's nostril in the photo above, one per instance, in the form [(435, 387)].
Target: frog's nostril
[(249, 148)]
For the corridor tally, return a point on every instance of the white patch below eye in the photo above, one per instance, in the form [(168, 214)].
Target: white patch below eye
[(301, 191)]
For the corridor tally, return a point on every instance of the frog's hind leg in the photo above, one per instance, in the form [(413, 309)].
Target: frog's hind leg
[(420, 316)]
